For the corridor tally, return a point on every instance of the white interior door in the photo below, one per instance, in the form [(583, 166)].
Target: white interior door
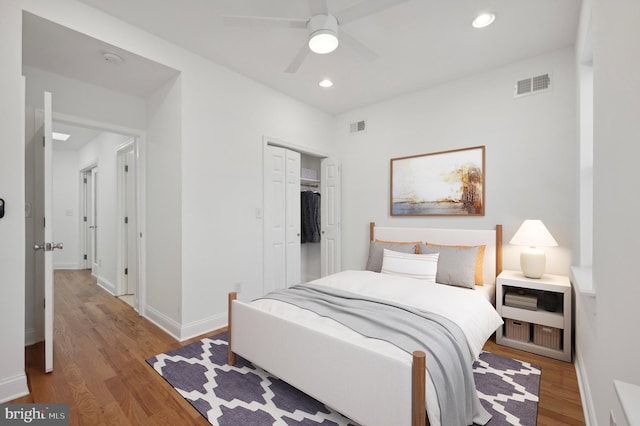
[(330, 217), (274, 218), (130, 227), (44, 233), (93, 221), (281, 218), (293, 218), (87, 258)]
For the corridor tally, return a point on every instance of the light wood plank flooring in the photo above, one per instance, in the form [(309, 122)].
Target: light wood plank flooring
[(100, 347)]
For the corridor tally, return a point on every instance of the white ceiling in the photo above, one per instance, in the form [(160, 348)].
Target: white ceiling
[(419, 43)]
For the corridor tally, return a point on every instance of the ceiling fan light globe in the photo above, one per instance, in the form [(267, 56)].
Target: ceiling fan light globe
[(323, 41)]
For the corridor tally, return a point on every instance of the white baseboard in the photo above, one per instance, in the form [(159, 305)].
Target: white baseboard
[(168, 325), (203, 326), (62, 265), (184, 332), (585, 391), (108, 286), (13, 387)]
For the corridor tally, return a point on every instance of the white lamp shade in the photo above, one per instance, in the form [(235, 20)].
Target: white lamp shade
[(533, 233)]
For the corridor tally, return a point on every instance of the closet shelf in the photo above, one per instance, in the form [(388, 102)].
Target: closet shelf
[(305, 180)]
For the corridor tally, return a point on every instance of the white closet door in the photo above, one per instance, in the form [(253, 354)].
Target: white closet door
[(274, 218), (330, 217), (292, 201)]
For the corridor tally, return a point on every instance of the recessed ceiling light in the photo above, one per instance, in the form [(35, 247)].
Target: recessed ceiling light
[(326, 83), (59, 136), (483, 20)]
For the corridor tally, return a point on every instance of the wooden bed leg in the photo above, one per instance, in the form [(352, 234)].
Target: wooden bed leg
[(418, 392), (231, 356)]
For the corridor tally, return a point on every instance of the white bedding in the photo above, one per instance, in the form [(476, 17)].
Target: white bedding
[(469, 309)]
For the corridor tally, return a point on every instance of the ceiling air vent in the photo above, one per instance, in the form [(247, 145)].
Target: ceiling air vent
[(531, 85), (358, 127)]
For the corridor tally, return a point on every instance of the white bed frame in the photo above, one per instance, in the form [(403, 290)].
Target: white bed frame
[(368, 387)]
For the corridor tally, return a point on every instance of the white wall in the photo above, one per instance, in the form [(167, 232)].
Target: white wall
[(164, 207), (66, 211), (530, 154), (616, 235), (87, 101), (13, 382), (224, 120)]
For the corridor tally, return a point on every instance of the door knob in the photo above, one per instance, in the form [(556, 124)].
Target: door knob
[(48, 246)]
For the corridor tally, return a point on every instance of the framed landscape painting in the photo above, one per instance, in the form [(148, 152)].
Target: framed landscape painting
[(446, 183)]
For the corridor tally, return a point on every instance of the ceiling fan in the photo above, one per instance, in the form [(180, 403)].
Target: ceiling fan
[(324, 29)]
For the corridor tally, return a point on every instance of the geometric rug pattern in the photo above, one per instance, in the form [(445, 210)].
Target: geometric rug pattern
[(508, 389), (249, 396)]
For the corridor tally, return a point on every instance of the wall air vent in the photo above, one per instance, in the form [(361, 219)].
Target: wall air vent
[(358, 127), (531, 85)]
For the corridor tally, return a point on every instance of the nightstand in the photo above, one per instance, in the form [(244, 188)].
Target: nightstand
[(537, 313)]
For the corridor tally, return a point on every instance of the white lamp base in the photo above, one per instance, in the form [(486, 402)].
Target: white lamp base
[(532, 262)]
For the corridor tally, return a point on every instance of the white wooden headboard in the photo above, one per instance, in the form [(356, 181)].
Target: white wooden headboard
[(491, 238)]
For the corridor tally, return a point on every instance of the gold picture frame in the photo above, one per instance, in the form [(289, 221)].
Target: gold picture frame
[(445, 183)]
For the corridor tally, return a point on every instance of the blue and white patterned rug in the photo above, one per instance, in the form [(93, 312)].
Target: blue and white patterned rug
[(248, 396)]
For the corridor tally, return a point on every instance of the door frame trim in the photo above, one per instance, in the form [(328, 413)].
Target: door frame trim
[(130, 145), (87, 264), (141, 154)]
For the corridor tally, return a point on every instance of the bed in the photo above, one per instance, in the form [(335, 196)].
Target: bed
[(369, 380)]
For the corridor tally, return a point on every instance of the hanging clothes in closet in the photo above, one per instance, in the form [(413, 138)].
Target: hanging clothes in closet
[(310, 216)]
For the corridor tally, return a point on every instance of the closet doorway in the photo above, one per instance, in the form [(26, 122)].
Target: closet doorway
[(290, 173)]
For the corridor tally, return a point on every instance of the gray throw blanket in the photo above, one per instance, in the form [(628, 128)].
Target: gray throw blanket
[(448, 360)]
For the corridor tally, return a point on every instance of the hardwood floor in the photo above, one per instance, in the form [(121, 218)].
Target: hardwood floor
[(100, 347)]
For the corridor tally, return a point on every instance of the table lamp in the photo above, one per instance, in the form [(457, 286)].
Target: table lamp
[(533, 234)]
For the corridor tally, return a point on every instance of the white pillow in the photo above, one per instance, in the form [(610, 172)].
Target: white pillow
[(420, 266)]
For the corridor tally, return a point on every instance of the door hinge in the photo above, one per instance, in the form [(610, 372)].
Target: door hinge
[(126, 219), (85, 257), (44, 222), (126, 271), (43, 139), (85, 218), (126, 168), (85, 180), (44, 303)]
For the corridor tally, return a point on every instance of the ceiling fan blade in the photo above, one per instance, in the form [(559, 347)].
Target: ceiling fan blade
[(365, 8), (261, 21), (361, 50), (318, 7), (299, 58)]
